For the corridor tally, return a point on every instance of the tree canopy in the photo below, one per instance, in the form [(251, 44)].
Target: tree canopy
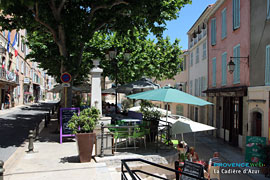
[(71, 24)]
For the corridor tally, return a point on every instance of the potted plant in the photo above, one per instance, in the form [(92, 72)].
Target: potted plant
[(82, 126)]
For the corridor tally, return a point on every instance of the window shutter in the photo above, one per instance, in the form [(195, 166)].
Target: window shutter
[(267, 66), (204, 50), (17, 63), (236, 73), (18, 89), (191, 59), (190, 87), (213, 31), (197, 55), (236, 14), (224, 24), (224, 69), (268, 9), (214, 72)]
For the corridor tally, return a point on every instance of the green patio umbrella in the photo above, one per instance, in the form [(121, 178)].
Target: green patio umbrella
[(169, 95)]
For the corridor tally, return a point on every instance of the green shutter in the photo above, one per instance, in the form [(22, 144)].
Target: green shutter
[(179, 110), (214, 72), (267, 66), (197, 55), (224, 69)]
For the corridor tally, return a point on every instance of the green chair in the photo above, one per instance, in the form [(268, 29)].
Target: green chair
[(138, 133), (119, 134)]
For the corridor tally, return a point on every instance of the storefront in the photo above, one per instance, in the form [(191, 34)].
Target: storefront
[(229, 117)]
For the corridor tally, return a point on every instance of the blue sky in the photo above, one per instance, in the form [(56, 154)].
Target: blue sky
[(187, 17)]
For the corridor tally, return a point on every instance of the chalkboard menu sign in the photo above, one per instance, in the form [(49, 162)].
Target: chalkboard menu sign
[(193, 169), (65, 116)]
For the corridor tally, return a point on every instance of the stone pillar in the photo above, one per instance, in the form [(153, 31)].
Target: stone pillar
[(96, 86)]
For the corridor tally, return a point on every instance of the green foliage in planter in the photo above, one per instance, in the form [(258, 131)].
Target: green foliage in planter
[(85, 122), (148, 111)]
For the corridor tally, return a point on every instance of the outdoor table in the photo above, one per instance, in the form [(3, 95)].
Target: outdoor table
[(129, 130), (131, 121)]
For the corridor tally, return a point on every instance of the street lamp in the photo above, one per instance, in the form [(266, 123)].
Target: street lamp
[(111, 55), (231, 64)]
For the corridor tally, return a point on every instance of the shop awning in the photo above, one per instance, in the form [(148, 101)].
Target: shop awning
[(228, 91)]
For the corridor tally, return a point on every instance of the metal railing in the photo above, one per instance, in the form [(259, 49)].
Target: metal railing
[(125, 169)]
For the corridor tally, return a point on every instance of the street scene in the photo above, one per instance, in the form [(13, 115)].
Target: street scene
[(131, 90)]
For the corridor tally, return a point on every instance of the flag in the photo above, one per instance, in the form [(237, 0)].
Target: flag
[(14, 45), (8, 41)]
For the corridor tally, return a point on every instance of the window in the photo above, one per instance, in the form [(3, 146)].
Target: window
[(224, 23), (214, 72), (268, 9), (196, 87), (204, 50), (267, 66), (213, 31), (22, 67), (180, 110), (236, 14), (184, 63), (236, 72), (197, 55), (18, 90), (201, 85), (22, 47), (190, 87), (18, 39), (191, 59), (224, 69), (169, 107), (17, 63)]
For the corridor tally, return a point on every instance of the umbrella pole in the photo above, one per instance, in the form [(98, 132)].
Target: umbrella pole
[(182, 137), (167, 123), (194, 140)]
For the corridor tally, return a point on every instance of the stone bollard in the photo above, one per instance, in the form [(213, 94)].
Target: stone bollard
[(31, 141), (2, 170)]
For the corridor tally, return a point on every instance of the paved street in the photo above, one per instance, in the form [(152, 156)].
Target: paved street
[(15, 124), (206, 145)]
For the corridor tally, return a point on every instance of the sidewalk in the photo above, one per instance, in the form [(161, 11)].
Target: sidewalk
[(206, 145), (52, 160)]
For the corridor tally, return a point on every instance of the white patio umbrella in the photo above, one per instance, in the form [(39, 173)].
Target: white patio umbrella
[(183, 125)]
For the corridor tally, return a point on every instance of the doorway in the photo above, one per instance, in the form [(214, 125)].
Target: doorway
[(256, 124)]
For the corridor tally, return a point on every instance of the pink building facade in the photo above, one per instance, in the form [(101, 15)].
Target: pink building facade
[(229, 39)]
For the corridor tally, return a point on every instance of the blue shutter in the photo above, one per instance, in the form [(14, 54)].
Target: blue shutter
[(267, 66), (213, 31), (268, 9), (224, 69), (224, 24), (191, 58), (236, 14), (236, 73), (214, 72)]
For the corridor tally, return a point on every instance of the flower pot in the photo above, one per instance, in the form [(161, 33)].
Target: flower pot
[(85, 142)]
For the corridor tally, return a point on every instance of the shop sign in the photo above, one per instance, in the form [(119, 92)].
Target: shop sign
[(254, 146), (26, 80)]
